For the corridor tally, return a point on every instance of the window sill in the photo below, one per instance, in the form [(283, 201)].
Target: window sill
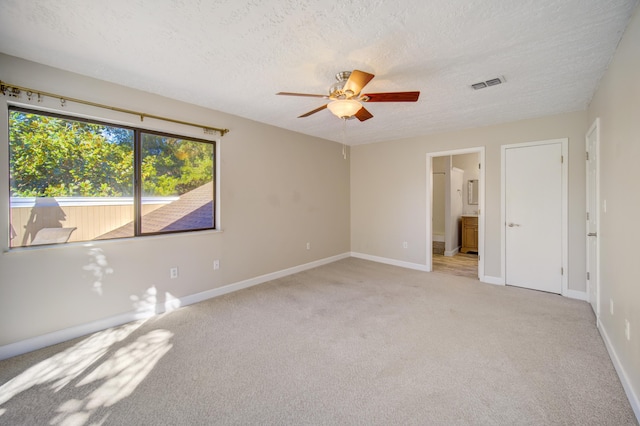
[(97, 243)]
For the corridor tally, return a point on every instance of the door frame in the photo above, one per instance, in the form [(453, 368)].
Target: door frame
[(481, 184), (564, 144), (595, 192)]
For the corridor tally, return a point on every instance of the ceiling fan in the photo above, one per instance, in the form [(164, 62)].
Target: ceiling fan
[(346, 97)]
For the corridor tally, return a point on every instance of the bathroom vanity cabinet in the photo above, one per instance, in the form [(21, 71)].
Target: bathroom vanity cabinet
[(469, 234)]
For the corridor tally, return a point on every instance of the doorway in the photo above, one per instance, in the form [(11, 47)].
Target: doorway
[(449, 174), (534, 200)]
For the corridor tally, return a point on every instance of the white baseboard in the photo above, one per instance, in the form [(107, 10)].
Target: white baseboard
[(59, 336), (572, 294), (633, 397), (452, 252), (219, 291), (394, 262), (575, 294), (492, 280)]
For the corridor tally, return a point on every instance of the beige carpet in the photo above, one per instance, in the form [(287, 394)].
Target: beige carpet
[(353, 342)]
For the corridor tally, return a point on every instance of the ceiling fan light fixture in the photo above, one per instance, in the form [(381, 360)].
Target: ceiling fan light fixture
[(344, 108)]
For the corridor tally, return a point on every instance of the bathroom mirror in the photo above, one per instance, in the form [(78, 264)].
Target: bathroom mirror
[(472, 191)]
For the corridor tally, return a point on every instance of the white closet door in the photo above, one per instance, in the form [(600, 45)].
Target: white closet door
[(533, 213)]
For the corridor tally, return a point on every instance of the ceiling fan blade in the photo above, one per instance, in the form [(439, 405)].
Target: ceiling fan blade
[(357, 80), (309, 95), (391, 97), (363, 114), (313, 112)]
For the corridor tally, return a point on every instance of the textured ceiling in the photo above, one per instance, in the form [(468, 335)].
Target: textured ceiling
[(234, 55)]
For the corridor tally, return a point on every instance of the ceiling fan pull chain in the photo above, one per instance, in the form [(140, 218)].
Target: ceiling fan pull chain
[(344, 138)]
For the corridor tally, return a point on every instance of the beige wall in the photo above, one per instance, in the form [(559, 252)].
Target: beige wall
[(279, 191), (617, 104), (388, 190)]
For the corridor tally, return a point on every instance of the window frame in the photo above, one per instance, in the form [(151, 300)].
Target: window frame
[(137, 170)]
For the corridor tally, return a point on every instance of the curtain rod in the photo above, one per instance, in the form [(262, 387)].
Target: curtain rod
[(15, 91)]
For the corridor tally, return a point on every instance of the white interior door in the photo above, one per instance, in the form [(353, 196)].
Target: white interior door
[(534, 217), (592, 218)]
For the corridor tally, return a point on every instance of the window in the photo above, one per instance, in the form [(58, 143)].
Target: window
[(78, 180)]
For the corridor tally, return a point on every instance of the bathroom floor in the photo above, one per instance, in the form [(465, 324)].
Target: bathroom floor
[(462, 264)]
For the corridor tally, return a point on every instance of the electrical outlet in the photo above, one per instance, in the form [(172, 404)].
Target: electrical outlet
[(308, 246), (216, 264), (405, 245), (627, 329), (611, 306), (173, 272)]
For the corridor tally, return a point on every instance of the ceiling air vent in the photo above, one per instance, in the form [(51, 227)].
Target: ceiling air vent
[(492, 82)]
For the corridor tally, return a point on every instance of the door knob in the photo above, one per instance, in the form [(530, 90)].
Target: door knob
[(592, 234), (511, 225)]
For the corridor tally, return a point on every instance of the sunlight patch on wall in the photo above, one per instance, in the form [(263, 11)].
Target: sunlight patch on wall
[(171, 303), (145, 305), (153, 302), (98, 266)]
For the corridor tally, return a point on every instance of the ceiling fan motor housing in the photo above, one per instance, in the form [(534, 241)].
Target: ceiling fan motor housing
[(336, 91)]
